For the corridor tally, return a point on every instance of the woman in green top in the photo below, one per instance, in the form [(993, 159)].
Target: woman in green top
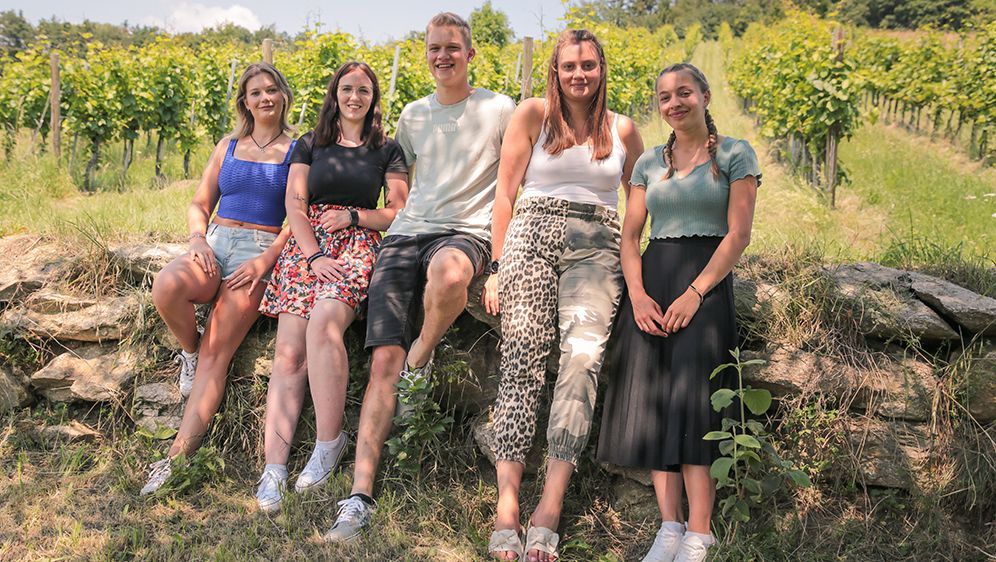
[(699, 191)]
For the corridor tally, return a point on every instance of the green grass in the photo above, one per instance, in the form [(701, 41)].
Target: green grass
[(40, 195)]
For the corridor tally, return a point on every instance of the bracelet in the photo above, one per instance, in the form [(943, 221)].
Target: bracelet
[(697, 292), (354, 217), (315, 256), (196, 235)]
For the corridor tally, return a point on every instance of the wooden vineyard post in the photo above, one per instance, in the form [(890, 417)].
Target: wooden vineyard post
[(54, 97), (268, 50), (831, 148), (228, 96), (527, 68), (394, 82)]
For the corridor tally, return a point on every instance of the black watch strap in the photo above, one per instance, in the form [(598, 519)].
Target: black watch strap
[(354, 217)]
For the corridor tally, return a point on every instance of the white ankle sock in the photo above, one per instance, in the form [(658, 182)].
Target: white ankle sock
[(673, 526), (706, 539), (280, 469), (188, 355), (326, 445)]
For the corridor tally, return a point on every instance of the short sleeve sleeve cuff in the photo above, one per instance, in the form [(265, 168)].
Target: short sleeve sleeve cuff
[(302, 150), (395, 158), (743, 163), (639, 176)]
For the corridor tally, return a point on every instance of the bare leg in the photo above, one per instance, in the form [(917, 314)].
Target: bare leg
[(547, 514), (176, 289), (376, 415), (229, 322), (668, 487), (328, 365), (449, 274), (509, 482), (285, 393), (701, 490)]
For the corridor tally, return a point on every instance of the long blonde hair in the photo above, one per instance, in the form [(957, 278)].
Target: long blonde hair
[(558, 134), (244, 122)]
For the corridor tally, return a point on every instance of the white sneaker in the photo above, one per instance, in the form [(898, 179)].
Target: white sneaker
[(665, 546), (694, 547), (188, 366), (320, 465), (353, 516), (272, 486), (159, 472)]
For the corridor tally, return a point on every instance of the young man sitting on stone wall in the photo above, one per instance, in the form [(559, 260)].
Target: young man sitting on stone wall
[(452, 137)]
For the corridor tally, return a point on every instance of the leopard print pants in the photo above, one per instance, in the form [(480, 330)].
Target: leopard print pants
[(560, 269)]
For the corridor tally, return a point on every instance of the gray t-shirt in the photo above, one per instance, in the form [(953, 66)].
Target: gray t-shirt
[(455, 150), (694, 205)]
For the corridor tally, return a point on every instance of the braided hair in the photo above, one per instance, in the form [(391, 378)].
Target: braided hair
[(713, 143)]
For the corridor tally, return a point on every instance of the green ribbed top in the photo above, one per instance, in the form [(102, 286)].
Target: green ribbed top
[(696, 204)]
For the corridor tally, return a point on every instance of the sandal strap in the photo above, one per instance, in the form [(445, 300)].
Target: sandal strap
[(506, 540), (543, 540)]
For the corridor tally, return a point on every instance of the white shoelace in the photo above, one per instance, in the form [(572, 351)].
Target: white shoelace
[(159, 471), (351, 509)]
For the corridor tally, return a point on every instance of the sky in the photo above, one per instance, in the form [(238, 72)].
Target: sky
[(374, 20)]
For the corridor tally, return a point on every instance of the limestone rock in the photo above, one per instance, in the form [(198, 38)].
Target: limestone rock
[(633, 474), (476, 309), (27, 263), (157, 405), (92, 373), (637, 499), (896, 387), (886, 306), (980, 387), (975, 312), (143, 261), (255, 356), (159, 394), (889, 454), (68, 318), (73, 432), (14, 392), (154, 424), (484, 436), (467, 368)]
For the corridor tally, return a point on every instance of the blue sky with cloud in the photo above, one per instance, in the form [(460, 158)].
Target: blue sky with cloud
[(375, 20)]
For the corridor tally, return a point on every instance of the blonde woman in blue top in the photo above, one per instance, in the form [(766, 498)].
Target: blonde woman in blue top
[(231, 254), (678, 321)]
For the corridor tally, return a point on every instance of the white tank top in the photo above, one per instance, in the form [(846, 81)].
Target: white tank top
[(573, 175)]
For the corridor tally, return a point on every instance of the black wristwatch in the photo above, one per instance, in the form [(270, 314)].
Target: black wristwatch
[(354, 217), (493, 267)]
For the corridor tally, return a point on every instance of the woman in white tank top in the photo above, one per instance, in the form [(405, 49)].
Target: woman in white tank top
[(559, 267)]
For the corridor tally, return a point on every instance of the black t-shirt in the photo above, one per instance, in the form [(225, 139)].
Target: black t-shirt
[(345, 175)]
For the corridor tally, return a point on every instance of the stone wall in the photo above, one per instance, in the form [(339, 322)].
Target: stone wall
[(917, 330)]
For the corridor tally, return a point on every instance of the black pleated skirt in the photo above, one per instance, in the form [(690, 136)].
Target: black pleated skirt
[(657, 406)]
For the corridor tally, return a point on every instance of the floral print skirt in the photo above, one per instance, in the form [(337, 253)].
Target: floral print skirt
[(294, 288)]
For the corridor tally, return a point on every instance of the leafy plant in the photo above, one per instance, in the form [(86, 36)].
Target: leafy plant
[(750, 466), (191, 473), (421, 429)]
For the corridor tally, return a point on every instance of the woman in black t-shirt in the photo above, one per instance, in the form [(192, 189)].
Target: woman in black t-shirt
[(336, 175)]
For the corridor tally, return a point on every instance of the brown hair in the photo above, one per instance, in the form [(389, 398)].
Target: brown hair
[(327, 131), (244, 122), (712, 144), (559, 135), (449, 19)]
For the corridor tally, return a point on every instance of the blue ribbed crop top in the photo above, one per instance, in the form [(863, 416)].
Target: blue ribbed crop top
[(253, 191)]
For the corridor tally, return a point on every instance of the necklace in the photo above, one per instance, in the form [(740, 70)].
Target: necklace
[(263, 147)]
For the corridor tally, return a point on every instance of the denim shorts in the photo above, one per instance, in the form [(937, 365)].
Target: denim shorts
[(234, 246)]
